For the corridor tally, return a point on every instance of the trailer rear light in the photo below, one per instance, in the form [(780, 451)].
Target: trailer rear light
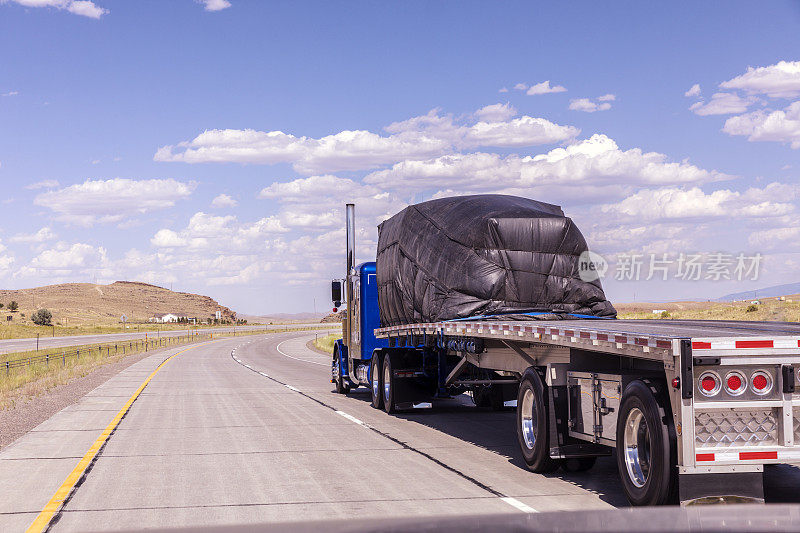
[(709, 384), (735, 383), (761, 382)]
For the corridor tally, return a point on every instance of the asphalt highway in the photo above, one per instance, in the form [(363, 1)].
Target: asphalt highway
[(22, 345), (248, 431)]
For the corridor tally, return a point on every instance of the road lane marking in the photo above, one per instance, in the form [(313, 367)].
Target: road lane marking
[(351, 418), (42, 521), (513, 502), (278, 347), (506, 499)]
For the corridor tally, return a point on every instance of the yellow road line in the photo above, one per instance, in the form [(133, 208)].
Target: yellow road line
[(43, 520)]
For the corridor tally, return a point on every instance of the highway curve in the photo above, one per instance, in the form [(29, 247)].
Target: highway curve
[(248, 431)]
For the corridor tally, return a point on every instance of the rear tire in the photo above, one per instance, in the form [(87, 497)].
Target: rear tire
[(645, 449), (376, 379), (389, 381), (532, 428)]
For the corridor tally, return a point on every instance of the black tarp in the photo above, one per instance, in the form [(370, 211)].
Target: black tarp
[(482, 255)]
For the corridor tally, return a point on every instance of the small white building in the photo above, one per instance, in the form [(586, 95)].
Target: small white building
[(163, 318)]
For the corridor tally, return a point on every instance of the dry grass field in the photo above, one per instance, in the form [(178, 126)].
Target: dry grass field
[(772, 309)]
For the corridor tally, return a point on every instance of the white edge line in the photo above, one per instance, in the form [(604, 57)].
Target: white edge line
[(292, 388), (351, 418), (278, 347), (513, 502)]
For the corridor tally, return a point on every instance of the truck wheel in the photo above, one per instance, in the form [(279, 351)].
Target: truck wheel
[(389, 381), (376, 379), (645, 451), (342, 387), (532, 434)]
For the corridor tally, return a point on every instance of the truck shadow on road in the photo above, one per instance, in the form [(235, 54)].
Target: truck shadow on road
[(496, 431)]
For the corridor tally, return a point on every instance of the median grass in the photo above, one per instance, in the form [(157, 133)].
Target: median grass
[(11, 330), (26, 382), (325, 343)]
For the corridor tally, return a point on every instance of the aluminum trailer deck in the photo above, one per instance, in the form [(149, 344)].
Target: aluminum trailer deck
[(725, 391)]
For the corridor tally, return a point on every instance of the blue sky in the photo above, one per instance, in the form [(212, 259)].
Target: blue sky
[(107, 172)]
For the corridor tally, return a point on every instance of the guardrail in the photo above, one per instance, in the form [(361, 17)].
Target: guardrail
[(65, 355)]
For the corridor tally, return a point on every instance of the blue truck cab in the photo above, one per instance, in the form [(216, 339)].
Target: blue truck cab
[(353, 352)]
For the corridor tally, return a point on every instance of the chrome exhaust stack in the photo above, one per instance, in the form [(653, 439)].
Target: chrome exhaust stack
[(351, 270)]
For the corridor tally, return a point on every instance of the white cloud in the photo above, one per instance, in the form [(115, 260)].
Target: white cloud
[(722, 104), (65, 256), (781, 80), (112, 200), (586, 105), (85, 8), (672, 203), (219, 233), (215, 5), (607, 98), (693, 91), (764, 125), (521, 86), (503, 90), (594, 162), (420, 137), (10, 93), (43, 235), (496, 112), (223, 200), (545, 88), (46, 184)]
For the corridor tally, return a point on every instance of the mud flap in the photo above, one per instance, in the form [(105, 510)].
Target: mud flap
[(728, 487)]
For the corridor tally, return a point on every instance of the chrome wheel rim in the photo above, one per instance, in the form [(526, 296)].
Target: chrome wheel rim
[(528, 410), (376, 382), (335, 370), (386, 382), (637, 447)]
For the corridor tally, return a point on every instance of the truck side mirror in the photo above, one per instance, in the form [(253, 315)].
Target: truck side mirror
[(336, 291)]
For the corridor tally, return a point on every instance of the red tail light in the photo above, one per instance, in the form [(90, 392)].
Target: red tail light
[(735, 383), (761, 382), (709, 384)]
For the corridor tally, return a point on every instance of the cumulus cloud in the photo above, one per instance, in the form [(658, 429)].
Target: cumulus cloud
[(85, 8), (545, 88), (722, 104), (503, 90), (521, 86), (212, 232), (46, 184), (693, 91), (496, 112), (10, 93), (223, 200), (215, 5), (112, 200), (781, 80), (782, 125), (43, 235), (692, 203), (588, 106), (593, 162), (420, 137), (65, 256)]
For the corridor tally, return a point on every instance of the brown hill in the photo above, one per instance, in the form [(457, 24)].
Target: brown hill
[(87, 303)]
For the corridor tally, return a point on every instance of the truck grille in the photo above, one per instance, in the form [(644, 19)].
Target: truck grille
[(724, 428)]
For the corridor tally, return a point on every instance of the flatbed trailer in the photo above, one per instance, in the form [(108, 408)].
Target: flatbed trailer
[(723, 391), (691, 409)]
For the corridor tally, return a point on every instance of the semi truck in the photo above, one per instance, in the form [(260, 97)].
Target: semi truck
[(692, 410)]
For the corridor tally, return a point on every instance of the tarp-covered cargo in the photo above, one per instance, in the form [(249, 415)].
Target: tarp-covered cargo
[(482, 255)]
